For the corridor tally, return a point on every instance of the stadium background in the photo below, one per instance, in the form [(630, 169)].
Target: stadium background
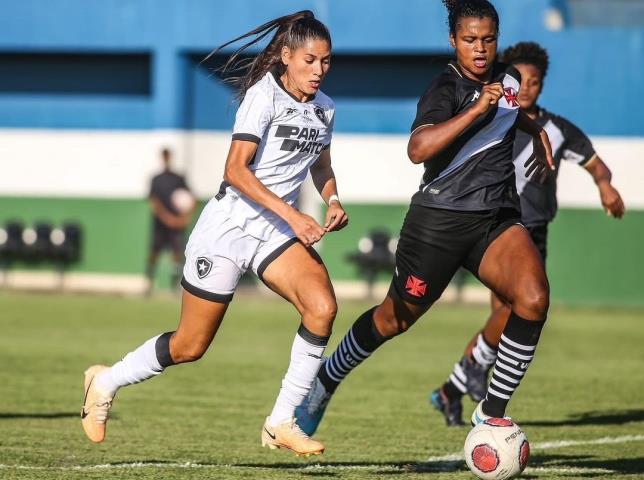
[(90, 91)]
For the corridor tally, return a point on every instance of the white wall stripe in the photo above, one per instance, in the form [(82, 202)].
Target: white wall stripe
[(119, 164)]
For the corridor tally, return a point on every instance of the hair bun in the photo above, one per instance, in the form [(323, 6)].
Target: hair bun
[(450, 4)]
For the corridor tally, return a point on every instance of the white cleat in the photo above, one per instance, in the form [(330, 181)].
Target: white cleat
[(95, 406), (479, 417), (289, 435)]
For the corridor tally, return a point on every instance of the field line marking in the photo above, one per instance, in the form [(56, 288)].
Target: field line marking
[(450, 461)]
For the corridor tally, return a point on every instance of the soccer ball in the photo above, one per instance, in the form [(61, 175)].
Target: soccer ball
[(497, 449), (182, 200)]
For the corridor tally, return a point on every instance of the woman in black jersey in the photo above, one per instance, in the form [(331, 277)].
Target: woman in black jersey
[(466, 213), (538, 209)]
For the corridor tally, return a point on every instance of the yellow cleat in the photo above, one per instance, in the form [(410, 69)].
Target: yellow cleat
[(95, 406), (289, 435)]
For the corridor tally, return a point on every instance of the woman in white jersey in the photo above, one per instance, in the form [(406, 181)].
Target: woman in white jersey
[(282, 131)]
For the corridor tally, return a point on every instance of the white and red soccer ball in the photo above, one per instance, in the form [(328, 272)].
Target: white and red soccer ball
[(497, 449)]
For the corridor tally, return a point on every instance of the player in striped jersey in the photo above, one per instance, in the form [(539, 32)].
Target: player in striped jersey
[(282, 132), (538, 209), (466, 212)]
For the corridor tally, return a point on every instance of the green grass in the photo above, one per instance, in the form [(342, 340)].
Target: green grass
[(586, 383)]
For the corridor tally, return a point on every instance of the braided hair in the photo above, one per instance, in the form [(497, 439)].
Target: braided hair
[(291, 31)]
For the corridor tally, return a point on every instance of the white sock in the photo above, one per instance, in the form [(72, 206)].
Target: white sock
[(135, 367), (306, 358), (483, 353)]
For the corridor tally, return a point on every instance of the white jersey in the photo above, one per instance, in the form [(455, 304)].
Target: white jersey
[(290, 136)]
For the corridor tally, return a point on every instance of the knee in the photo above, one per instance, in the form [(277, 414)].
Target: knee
[(320, 314), (533, 301), (390, 323)]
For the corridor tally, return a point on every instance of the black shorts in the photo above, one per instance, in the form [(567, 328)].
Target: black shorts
[(539, 235), (167, 238), (434, 243)]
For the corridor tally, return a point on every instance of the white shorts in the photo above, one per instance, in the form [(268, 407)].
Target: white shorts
[(219, 252)]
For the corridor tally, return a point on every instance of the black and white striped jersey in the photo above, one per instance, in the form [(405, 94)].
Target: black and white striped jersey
[(476, 171), (569, 143)]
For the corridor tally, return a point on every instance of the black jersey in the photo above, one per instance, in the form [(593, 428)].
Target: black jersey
[(162, 187), (475, 172), (539, 201)]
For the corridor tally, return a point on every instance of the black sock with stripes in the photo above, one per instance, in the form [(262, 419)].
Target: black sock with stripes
[(516, 351), (360, 341)]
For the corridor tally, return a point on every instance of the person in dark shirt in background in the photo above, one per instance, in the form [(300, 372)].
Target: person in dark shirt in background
[(172, 206)]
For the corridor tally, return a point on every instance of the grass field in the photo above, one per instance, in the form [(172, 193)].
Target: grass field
[(582, 403)]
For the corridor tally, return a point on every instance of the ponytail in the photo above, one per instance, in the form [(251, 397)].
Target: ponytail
[(290, 31)]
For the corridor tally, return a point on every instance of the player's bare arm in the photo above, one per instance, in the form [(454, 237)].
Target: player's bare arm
[(237, 174), (430, 140), (610, 197), (324, 180), (541, 159)]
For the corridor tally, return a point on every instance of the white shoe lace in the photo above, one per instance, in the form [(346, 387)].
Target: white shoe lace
[(101, 407)]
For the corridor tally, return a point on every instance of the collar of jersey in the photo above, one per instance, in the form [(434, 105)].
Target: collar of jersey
[(276, 77), (457, 69)]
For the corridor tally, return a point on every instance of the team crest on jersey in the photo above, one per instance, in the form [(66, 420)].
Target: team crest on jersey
[(320, 114), (204, 266), (511, 96)]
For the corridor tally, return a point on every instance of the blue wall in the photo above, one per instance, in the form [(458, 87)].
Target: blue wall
[(596, 76)]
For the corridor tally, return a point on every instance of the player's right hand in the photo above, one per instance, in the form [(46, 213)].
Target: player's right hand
[(490, 95), (307, 230)]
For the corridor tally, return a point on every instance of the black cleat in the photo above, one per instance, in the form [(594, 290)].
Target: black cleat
[(451, 410), (475, 378)]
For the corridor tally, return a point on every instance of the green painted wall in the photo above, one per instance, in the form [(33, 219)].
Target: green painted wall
[(595, 259), (592, 259), (115, 232)]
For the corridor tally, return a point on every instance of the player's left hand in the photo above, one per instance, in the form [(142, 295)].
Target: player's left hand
[(611, 201), (336, 217), (540, 162)]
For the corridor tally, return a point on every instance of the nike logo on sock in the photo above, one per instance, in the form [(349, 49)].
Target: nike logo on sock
[(314, 356), (270, 434)]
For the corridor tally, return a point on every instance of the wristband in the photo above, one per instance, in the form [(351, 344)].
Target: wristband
[(332, 198)]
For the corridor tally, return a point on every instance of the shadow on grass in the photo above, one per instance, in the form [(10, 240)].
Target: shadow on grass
[(624, 466), (44, 415), (609, 417), (562, 465)]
